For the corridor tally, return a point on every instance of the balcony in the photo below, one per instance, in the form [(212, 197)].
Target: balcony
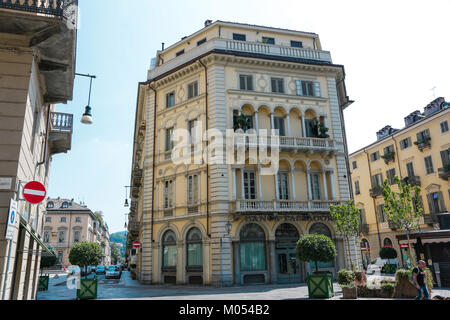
[(60, 135), (49, 27), (133, 227), (430, 219), (413, 181), (423, 143), (388, 157), (376, 191), (364, 228), (393, 226), (444, 172), (137, 177), (135, 192), (287, 206), (254, 49)]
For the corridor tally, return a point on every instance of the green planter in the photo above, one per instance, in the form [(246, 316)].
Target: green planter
[(43, 283), (88, 289), (320, 285), (390, 268)]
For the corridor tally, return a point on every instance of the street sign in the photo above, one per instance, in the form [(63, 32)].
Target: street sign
[(136, 244), (34, 192), (12, 217), (404, 246)]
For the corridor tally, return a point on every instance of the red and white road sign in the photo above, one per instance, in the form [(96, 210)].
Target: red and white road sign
[(404, 246), (136, 244), (34, 192)]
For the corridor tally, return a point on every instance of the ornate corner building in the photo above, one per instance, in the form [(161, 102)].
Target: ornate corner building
[(225, 223)]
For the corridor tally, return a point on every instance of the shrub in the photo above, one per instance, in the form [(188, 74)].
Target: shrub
[(316, 247), (407, 274), (388, 253), (133, 266), (388, 288), (345, 277)]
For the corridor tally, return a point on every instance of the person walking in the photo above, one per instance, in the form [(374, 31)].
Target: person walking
[(420, 281)]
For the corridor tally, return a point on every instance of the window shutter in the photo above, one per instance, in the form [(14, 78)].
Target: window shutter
[(441, 202), (242, 82), (299, 87), (317, 92), (430, 203), (363, 216), (445, 157)]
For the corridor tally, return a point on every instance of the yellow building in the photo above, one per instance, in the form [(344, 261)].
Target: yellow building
[(419, 153), (224, 222)]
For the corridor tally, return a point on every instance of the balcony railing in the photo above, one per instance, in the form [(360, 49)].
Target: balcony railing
[(137, 177), (376, 191), (430, 218), (228, 45), (388, 157), (283, 206), (48, 7), (393, 225), (62, 122), (444, 173), (289, 142), (413, 181), (423, 143)]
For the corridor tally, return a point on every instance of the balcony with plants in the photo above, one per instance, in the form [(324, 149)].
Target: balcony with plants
[(388, 156), (412, 180), (423, 143), (444, 172), (376, 191)]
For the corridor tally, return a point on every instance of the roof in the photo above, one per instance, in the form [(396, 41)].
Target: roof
[(72, 205)]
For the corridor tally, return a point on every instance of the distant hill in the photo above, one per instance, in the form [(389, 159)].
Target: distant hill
[(119, 237)]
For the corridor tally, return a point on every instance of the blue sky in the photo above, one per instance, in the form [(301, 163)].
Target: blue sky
[(394, 52)]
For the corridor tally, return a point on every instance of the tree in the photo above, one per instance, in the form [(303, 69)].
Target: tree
[(115, 253), (388, 253), (346, 221), (316, 247), (86, 254), (403, 208)]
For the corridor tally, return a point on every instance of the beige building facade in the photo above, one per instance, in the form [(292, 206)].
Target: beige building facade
[(418, 154), (37, 60), (68, 223), (217, 222)]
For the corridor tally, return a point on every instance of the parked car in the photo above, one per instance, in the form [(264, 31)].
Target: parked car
[(113, 272), (377, 265), (74, 270), (101, 270)]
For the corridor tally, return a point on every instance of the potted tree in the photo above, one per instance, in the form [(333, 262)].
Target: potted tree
[(86, 254), (317, 248), (389, 253), (346, 279)]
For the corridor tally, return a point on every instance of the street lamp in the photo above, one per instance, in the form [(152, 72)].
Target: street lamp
[(87, 115), (228, 226), (126, 197)]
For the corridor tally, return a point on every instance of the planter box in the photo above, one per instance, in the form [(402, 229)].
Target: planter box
[(43, 283), (405, 289), (320, 285), (88, 289), (350, 293)]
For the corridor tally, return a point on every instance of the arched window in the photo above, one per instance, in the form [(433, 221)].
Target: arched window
[(169, 245), (320, 228), (50, 205), (387, 242), (252, 248), (65, 205), (287, 232), (194, 248)]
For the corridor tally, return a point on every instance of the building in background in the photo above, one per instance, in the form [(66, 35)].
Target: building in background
[(226, 224), (68, 223), (37, 66), (419, 154)]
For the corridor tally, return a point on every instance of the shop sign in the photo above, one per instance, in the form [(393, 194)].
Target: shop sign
[(404, 246), (287, 218), (5, 183)]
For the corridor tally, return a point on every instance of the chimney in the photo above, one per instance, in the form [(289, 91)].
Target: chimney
[(208, 22), (162, 46)]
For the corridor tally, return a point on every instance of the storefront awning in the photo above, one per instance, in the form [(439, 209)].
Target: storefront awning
[(435, 240), (35, 237)]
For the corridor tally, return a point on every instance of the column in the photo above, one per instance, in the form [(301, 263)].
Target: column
[(288, 125), (242, 183), (277, 191), (333, 192), (303, 126), (294, 195), (256, 121), (325, 187), (180, 266), (272, 257), (233, 175), (309, 185), (259, 182), (272, 125)]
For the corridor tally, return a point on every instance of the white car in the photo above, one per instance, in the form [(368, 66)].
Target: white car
[(376, 265), (113, 272)]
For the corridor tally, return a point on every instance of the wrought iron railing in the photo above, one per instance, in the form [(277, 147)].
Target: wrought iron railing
[(62, 122), (376, 191), (283, 205), (56, 8)]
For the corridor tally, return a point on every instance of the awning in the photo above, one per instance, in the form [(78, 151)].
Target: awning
[(35, 237), (435, 240)]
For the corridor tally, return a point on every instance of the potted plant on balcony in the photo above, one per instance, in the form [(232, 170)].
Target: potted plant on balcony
[(86, 254), (388, 156), (317, 248), (423, 143)]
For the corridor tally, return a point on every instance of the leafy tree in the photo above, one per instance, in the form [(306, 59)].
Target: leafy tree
[(346, 221), (241, 122), (316, 247), (86, 254), (115, 253), (388, 253), (403, 208)]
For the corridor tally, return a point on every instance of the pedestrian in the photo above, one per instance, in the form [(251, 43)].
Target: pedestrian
[(420, 281)]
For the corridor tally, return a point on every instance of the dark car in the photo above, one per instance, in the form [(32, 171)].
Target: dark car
[(101, 270)]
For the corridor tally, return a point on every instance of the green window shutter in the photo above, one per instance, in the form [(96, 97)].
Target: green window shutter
[(445, 157), (430, 203), (363, 216), (317, 92), (441, 202)]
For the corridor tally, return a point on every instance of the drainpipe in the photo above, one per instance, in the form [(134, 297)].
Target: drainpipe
[(46, 139), (373, 199), (207, 165), (153, 164)]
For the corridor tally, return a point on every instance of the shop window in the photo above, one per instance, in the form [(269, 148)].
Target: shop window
[(169, 245), (252, 248), (194, 250)]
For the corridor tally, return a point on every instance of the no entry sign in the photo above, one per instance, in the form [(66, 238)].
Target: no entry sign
[(404, 246), (136, 244), (34, 192)]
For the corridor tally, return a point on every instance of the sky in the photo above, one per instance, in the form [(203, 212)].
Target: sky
[(394, 53)]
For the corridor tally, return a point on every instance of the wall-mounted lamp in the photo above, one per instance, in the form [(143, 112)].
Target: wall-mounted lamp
[(87, 115)]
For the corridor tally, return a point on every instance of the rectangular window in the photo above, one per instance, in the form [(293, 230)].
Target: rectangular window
[(168, 194), (192, 90), (410, 169), (169, 142), (179, 53), (296, 44), (76, 236), (192, 189), (192, 131), (170, 99), (245, 82), (389, 149), (61, 236), (429, 165), (279, 124), (405, 143), (308, 88), (423, 135), (283, 185), (78, 219), (169, 255), (375, 156), (357, 190), (377, 180), (390, 174), (444, 126), (48, 219), (268, 40), (445, 157), (354, 164), (277, 85), (249, 185), (47, 236), (63, 219), (199, 43), (381, 214), (239, 37), (315, 186)]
